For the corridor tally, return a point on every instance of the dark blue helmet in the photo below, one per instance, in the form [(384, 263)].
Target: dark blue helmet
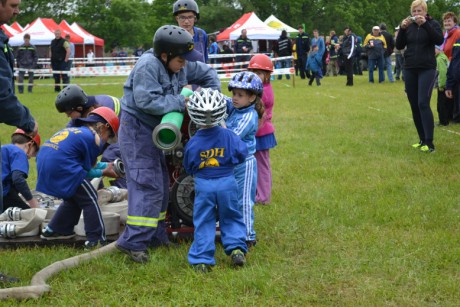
[(248, 81)]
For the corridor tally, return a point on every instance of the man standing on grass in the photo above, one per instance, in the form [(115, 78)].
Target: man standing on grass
[(60, 55), (12, 112)]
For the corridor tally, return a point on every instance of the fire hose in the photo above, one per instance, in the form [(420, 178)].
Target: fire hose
[(38, 285), (167, 135)]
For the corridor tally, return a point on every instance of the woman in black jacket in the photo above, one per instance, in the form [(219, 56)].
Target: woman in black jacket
[(419, 33)]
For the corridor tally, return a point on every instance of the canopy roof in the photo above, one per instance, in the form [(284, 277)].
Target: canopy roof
[(277, 24), (255, 28), (15, 25), (41, 32), (88, 37), (9, 30)]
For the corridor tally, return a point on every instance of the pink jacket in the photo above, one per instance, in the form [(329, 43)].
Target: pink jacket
[(268, 99)]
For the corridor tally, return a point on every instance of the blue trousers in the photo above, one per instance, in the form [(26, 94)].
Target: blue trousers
[(371, 66), (389, 67), (246, 178), (68, 214), (148, 185), (212, 197)]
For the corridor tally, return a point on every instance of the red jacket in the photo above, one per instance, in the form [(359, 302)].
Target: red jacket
[(452, 37)]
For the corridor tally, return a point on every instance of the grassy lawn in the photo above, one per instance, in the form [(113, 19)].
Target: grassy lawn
[(358, 217)]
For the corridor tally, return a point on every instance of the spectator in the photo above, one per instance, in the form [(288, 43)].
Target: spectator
[(139, 51), (187, 13), (314, 65), (26, 59), (399, 59), (451, 35), (227, 61), (214, 49), (303, 47), (332, 66), (283, 48), (388, 51), (444, 106), (375, 45), (243, 45), (348, 50), (90, 58), (122, 54), (319, 42), (419, 33), (59, 53), (72, 51), (453, 75)]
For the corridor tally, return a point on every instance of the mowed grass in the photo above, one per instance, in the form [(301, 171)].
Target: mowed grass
[(358, 217)]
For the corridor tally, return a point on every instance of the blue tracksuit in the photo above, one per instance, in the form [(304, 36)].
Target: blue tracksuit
[(210, 157), (63, 163), (244, 123), (150, 92), (13, 159)]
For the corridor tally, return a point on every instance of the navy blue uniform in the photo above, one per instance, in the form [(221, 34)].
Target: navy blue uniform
[(210, 156), (63, 163)]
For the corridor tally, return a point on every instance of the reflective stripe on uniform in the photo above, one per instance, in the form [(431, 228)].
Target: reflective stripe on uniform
[(116, 105), (146, 221), (457, 45), (142, 221)]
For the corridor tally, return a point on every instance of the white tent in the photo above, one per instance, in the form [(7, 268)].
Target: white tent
[(277, 24), (41, 33), (255, 28)]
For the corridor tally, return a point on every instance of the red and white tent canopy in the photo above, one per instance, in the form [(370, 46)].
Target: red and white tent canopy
[(41, 32), (74, 37), (9, 30), (15, 25), (256, 29), (88, 38)]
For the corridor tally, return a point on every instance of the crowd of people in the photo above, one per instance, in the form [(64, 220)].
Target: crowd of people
[(229, 157)]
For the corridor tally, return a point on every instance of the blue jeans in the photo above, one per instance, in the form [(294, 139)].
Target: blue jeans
[(371, 65), (389, 67)]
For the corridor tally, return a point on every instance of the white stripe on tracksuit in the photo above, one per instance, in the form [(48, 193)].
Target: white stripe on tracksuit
[(93, 195)]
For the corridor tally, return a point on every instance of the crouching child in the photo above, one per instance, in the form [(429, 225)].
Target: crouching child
[(66, 163)]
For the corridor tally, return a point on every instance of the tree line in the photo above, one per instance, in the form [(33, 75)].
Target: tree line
[(131, 23)]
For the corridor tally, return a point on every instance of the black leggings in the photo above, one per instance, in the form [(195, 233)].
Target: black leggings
[(419, 87)]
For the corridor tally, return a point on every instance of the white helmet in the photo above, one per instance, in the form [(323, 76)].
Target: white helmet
[(207, 107)]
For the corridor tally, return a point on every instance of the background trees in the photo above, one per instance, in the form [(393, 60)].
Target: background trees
[(133, 22)]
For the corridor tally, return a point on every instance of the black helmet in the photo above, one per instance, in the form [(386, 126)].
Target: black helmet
[(71, 97), (185, 6), (174, 41)]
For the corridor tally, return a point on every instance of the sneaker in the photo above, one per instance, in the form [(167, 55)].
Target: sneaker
[(418, 145), (427, 149), (201, 268), (136, 256), (238, 258), (89, 245), (48, 234), (7, 279)]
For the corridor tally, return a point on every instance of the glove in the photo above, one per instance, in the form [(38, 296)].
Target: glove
[(109, 171)]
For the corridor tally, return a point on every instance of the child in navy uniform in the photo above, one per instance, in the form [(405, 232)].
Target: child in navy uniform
[(74, 102), (15, 170), (244, 109), (210, 157), (66, 163)]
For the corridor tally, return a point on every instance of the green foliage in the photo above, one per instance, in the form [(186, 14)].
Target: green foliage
[(133, 22), (358, 217)]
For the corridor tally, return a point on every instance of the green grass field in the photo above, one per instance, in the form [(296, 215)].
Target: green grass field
[(358, 217)]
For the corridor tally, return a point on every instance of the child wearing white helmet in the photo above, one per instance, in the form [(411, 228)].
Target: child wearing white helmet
[(245, 109), (210, 157)]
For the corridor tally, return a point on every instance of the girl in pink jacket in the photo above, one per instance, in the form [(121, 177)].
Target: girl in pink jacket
[(262, 65)]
